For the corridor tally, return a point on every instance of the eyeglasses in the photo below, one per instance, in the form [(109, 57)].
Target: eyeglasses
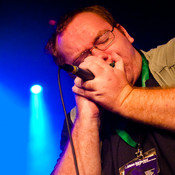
[(101, 43)]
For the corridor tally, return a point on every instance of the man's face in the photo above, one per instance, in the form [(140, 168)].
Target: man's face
[(80, 34)]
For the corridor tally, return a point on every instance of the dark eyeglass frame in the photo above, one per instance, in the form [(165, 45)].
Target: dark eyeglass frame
[(88, 51)]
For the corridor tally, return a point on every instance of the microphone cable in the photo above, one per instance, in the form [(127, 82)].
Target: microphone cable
[(67, 124)]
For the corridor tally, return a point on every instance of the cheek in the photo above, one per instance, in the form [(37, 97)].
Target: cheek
[(122, 45), (128, 67), (129, 75)]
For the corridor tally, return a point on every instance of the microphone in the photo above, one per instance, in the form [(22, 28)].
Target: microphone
[(85, 75)]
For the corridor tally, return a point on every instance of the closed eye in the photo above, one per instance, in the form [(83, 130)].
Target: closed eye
[(102, 41)]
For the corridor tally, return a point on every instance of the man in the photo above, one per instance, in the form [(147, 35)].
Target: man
[(113, 106)]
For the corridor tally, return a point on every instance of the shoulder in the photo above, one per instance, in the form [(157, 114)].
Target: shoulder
[(162, 55), (162, 63)]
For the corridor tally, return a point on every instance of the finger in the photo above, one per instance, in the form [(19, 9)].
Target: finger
[(82, 92), (78, 90), (119, 65), (100, 60), (78, 82), (94, 67), (88, 85)]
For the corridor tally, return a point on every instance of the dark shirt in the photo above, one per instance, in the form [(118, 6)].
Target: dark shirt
[(116, 152)]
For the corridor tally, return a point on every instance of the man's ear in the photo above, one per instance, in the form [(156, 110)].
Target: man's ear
[(124, 32)]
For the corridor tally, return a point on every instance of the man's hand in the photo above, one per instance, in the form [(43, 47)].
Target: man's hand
[(109, 88)]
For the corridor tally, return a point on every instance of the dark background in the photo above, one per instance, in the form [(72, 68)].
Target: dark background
[(24, 31)]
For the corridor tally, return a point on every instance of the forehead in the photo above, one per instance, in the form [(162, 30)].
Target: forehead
[(80, 33)]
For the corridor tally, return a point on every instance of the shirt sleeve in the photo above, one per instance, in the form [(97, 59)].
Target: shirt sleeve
[(162, 63), (65, 136), (64, 139)]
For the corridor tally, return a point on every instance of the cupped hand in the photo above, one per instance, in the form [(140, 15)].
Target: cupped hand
[(109, 88)]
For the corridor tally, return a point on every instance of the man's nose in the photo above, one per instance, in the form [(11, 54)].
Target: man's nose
[(101, 53), (96, 52)]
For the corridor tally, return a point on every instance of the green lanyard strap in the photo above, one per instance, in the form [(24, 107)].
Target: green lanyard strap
[(126, 137), (145, 69), (145, 76)]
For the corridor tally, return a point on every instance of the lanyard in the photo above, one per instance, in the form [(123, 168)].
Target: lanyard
[(145, 76), (145, 69)]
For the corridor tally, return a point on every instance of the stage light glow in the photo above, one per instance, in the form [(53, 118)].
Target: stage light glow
[(41, 147), (36, 89)]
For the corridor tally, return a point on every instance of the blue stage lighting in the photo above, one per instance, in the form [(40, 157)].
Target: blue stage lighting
[(41, 147), (36, 89)]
